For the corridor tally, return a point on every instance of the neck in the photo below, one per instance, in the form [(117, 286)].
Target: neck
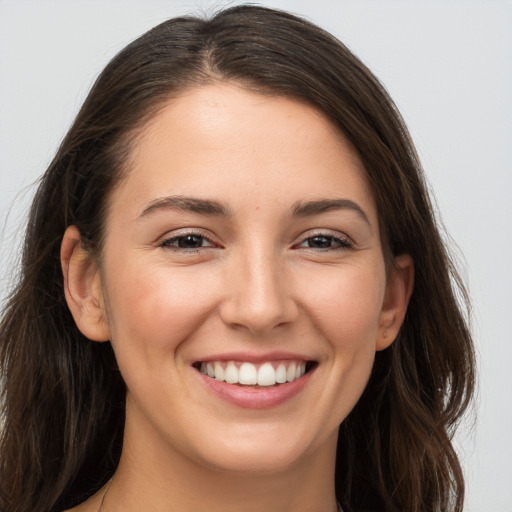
[(155, 477)]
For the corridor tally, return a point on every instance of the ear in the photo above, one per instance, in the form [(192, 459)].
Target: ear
[(82, 287), (398, 292)]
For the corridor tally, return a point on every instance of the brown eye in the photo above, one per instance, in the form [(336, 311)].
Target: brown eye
[(190, 241), (324, 242), (320, 242)]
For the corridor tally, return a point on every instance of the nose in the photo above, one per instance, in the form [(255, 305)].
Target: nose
[(258, 293)]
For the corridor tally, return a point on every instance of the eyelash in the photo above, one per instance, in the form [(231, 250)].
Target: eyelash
[(167, 243), (342, 243)]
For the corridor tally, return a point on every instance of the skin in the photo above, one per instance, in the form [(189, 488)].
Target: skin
[(258, 282)]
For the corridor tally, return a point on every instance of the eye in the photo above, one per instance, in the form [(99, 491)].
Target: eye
[(189, 241), (325, 242)]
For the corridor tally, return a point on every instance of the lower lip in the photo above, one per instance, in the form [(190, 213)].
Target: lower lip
[(251, 397)]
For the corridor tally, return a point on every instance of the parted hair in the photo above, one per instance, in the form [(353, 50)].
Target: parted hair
[(62, 395)]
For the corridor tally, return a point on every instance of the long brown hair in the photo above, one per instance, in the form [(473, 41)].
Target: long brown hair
[(63, 396)]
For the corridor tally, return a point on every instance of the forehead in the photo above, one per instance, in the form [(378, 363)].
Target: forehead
[(218, 140)]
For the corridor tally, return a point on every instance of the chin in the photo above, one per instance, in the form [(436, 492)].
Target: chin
[(263, 451), (254, 462)]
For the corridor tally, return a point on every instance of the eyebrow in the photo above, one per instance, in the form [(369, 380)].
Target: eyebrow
[(186, 204), (306, 209), (215, 208)]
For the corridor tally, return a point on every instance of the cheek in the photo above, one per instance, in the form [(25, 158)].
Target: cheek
[(155, 307), (345, 304), (347, 315)]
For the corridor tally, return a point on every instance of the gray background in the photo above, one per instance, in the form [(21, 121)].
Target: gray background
[(447, 64)]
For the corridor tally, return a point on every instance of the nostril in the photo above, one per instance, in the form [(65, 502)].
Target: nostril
[(258, 318)]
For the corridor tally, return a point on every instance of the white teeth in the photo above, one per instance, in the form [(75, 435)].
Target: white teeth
[(231, 374), (266, 375), (219, 372), (290, 373), (249, 374), (281, 373)]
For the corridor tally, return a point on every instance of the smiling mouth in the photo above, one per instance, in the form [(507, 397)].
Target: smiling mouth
[(266, 374)]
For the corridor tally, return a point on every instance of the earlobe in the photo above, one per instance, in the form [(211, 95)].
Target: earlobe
[(82, 287), (398, 292)]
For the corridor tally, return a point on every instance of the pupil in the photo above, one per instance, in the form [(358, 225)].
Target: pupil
[(190, 241), (320, 241)]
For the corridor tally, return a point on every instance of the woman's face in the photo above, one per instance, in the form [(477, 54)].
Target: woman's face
[(243, 282)]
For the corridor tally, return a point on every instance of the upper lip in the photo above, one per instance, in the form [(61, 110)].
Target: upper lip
[(255, 358)]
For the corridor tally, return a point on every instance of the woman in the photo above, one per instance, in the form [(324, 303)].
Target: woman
[(233, 293)]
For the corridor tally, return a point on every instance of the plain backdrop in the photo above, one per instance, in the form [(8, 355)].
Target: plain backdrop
[(448, 66)]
